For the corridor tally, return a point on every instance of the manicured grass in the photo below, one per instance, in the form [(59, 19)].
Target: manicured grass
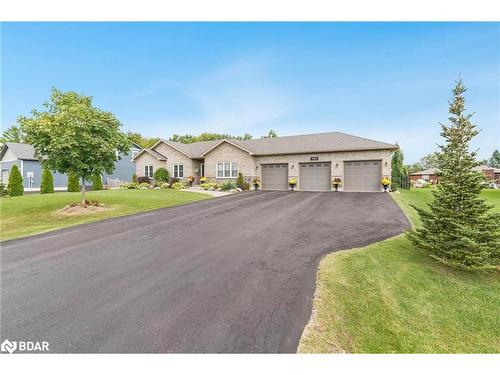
[(36, 213), (391, 298)]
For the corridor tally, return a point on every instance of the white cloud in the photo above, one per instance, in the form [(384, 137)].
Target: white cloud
[(237, 98)]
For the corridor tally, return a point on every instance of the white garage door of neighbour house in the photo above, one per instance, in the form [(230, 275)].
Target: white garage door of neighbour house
[(315, 176), (274, 176), (363, 175)]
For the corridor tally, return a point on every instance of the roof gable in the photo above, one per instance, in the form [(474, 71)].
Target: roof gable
[(21, 151), (231, 142), (153, 153)]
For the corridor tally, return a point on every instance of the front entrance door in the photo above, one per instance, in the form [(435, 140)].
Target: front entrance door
[(202, 168)]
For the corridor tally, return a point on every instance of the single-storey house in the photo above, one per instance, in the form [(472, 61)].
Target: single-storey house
[(314, 160), (430, 175), (23, 155)]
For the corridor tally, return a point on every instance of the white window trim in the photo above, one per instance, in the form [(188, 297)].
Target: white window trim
[(147, 169), (224, 169), (177, 165)]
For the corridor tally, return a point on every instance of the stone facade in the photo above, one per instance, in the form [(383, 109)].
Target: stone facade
[(336, 159), (176, 157), (147, 159), (250, 166), (227, 152)]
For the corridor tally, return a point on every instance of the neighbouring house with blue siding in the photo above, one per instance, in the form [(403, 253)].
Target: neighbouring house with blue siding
[(23, 155)]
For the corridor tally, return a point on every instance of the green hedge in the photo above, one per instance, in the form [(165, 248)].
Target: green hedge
[(73, 183), (15, 186), (47, 183), (97, 182)]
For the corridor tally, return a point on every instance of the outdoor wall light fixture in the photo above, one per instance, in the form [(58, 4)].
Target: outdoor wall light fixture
[(336, 165), (385, 164), (293, 166), (256, 167)]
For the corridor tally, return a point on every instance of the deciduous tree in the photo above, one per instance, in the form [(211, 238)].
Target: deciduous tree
[(74, 136)]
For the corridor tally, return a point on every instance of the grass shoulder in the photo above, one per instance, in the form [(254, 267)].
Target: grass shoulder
[(36, 213), (391, 298)]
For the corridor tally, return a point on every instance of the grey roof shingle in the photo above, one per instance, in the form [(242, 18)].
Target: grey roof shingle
[(156, 154), (294, 144), (25, 151), (22, 151), (194, 150)]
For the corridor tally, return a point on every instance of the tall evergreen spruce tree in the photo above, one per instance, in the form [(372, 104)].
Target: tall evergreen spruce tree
[(457, 228), (47, 183)]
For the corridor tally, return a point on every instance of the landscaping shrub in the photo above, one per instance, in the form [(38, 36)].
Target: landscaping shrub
[(228, 185), (73, 183), (143, 179), (165, 185), (178, 185), (134, 178), (47, 183), (3, 190), (143, 185), (394, 186), (256, 183), (173, 180), (210, 186), (97, 182), (161, 175), (240, 181), (15, 182)]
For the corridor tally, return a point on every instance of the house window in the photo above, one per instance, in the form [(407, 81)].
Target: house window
[(178, 171), (227, 169), (148, 171)]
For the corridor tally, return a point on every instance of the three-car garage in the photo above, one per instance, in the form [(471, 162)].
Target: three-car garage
[(358, 176)]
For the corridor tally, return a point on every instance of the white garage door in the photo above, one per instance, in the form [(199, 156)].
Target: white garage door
[(274, 176), (362, 175), (315, 176)]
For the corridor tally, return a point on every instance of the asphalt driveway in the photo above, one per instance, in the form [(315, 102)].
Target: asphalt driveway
[(231, 274)]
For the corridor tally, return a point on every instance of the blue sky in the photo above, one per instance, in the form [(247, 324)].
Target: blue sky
[(387, 81)]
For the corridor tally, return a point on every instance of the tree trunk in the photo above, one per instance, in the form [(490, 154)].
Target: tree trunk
[(83, 191)]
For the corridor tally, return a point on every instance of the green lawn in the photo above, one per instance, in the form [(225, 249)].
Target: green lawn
[(391, 298), (35, 213)]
